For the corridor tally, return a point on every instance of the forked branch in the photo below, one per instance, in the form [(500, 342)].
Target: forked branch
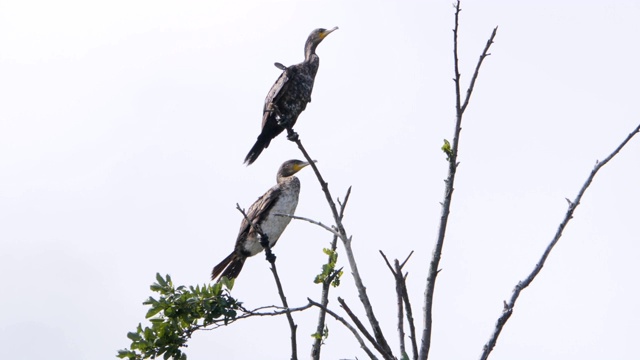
[(448, 192), (508, 306), (346, 241)]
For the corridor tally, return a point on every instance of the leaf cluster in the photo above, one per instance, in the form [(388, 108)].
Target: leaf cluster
[(329, 269), (323, 336), (176, 314)]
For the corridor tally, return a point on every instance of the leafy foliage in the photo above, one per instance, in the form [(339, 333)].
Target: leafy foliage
[(329, 269), (446, 148), (177, 314), (323, 336)]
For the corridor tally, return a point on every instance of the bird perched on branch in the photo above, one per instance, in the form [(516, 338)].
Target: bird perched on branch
[(289, 96), (280, 199)]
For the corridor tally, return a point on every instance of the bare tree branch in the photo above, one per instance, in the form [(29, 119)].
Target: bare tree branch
[(485, 53), (363, 329), (403, 303), (271, 258), (335, 233), (278, 310), (347, 325), (346, 240), (326, 286), (508, 307), (448, 193), (292, 325), (412, 326)]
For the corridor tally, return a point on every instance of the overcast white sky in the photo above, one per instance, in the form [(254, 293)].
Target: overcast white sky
[(123, 126)]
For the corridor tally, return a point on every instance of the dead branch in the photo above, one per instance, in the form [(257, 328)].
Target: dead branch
[(403, 304), (347, 325), (508, 307), (346, 240), (448, 193), (335, 233), (326, 286), (363, 329)]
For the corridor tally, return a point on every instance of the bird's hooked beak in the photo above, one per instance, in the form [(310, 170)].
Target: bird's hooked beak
[(327, 32), (302, 165)]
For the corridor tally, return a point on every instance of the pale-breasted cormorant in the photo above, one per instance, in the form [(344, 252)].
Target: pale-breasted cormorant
[(280, 199)]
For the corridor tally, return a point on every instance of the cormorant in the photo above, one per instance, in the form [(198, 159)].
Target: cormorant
[(289, 96), (280, 199)]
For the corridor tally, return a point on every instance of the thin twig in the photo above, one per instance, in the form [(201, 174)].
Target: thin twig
[(448, 192), (347, 325), (400, 304), (335, 233), (485, 53), (271, 258), (326, 286), (292, 325), (403, 303), (412, 326), (361, 327), (508, 307), (252, 313), (346, 240)]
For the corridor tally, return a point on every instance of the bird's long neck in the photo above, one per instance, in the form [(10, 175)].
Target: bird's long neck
[(284, 179), (280, 179), (310, 50)]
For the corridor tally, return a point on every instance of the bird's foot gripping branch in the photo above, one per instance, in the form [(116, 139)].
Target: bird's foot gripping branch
[(292, 135)]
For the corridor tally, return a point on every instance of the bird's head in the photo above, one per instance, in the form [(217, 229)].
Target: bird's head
[(290, 167), (316, 38)]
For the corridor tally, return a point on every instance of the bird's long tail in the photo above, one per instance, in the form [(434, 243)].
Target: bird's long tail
[(261, 144), (229, 267)]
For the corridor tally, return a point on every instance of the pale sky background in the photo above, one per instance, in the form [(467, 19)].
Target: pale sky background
[(123, 126)]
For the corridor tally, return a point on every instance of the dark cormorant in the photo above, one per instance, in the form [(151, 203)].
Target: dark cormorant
[(280, 199), (289, 96)]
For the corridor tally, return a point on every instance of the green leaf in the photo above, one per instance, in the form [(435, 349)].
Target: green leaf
[(154, 310), (126, 354), (446, 148), (216, 288), (175, 314), (150, 301), (160, 280), (134, 336), (228, 283)]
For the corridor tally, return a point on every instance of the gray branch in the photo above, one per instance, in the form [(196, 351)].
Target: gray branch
[(346, 241), (326, 286), (360, 326), (348, 326), (333, 231), (403, 304), (448, 192), (257, 312), (508, 307)]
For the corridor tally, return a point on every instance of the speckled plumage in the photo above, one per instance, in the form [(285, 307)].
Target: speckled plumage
[(280, 199), (289, 95)]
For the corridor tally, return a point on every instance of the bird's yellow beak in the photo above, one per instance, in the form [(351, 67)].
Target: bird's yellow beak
[(327, 32), (301, 166)]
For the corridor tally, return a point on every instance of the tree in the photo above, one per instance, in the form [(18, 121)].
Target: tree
[(221, 309)]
